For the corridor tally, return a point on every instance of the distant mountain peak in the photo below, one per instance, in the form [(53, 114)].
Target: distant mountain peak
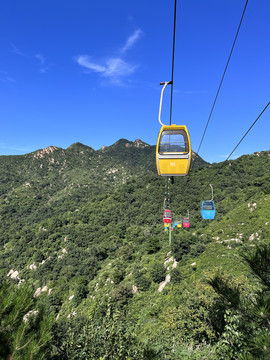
[(79, 146), (39, 154), (127, 143), (124, 143), (261, 153)]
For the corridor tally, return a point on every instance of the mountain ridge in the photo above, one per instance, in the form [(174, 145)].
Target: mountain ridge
[(82, 230)]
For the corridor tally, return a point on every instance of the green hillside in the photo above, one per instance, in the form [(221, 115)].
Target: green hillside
[(82, 230)]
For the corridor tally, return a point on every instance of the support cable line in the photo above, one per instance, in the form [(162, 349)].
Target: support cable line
[(224, 163), (174, 26), (173, 149), (222, 78)]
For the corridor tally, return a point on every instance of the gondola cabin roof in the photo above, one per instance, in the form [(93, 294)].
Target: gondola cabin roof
[(173, 151)]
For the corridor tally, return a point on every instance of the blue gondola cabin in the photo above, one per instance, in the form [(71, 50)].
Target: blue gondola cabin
[(208, 210)]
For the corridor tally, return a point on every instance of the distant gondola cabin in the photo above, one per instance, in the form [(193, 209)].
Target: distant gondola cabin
[(208, 210), (186, 223), (173, 151), (167, 216)]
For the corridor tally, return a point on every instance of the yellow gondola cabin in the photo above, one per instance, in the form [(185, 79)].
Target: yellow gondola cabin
[(173, 151)]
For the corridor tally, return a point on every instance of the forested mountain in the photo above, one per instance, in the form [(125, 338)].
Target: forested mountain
[(81, 232)]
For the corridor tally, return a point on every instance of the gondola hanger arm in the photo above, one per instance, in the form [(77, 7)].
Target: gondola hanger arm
[(161, 99), (212, 192)]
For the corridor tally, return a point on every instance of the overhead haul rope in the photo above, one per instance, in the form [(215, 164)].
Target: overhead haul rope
[(174, 26), (167, 198), (222, 78), (171, 81), (239, 142), (224, 163)]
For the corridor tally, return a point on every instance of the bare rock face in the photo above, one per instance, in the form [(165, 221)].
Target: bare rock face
[(13, 274), (41, 153), (163, 283), (140, 144), (37, 292), (30, 313)]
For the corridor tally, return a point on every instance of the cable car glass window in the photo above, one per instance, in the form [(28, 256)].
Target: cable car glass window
[(208, 205), (173, 141), (167, 214)]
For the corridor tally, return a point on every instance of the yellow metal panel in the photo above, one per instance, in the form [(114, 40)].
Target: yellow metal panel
[(173, 166)]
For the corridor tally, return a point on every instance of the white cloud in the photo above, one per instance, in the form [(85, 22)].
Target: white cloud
[(4, 77), (131, 40), (10, 79), (41, 58), (114, 68), (16, 51), (117, 67), (85, 61)]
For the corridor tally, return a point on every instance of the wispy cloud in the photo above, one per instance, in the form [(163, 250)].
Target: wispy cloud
[(113, 68), (85, 61), (16, 51), (7, 149), (131, 40), (4, 77), (41, 58), (226, 155), (190, 92)]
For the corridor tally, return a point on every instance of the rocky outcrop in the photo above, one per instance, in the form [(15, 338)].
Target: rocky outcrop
[(41, 153)]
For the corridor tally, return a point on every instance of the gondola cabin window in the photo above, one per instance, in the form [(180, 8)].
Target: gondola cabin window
[(167, 215), (208, 205), (173, 142)]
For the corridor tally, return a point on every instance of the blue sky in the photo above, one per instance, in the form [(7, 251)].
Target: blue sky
[(89, 71)]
